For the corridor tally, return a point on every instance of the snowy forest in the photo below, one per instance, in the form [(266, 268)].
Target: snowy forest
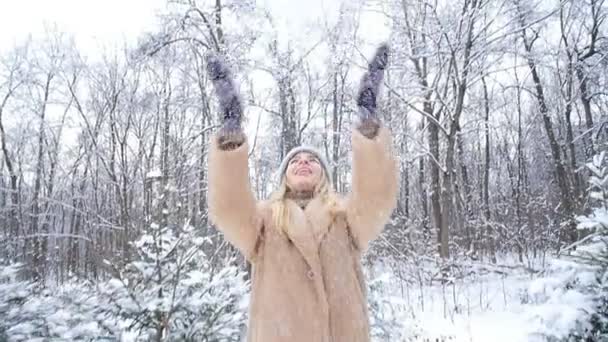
[(499, 116)]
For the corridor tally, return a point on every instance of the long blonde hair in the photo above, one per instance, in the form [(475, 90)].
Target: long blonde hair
[(278, 198)]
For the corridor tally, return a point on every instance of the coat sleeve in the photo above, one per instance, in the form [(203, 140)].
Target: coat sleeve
[(374, 190), (232, 205)]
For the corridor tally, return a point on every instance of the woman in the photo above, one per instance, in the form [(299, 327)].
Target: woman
[(305, 243)]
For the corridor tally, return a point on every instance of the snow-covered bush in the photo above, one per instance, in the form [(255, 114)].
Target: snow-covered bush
[(595, 253), (171, 293), (385, 320), (562, 302), (575, 296), (30, 312), (12, 293), (67, 313)]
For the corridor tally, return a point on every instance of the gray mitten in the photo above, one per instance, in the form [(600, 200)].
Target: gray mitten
[(369, 123), (230, 135)]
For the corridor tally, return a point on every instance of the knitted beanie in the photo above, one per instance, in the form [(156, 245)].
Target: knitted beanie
[(309, 149)]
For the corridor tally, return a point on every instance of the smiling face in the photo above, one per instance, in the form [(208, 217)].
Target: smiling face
[(304, 172)]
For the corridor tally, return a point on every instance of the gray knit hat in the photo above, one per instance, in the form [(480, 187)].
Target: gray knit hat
[(309, 149)]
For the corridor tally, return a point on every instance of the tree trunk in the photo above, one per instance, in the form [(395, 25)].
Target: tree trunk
[(289, 133), (435, 181), (486, 175), (405, 185), (465, 206), (569, 100), (202, 174), (447, 187), (576, 181), (335, 130), (426, 229), (586, 100), (39, 237), (219, 31)]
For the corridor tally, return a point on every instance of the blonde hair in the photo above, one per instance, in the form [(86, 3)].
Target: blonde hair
[(280, 210)]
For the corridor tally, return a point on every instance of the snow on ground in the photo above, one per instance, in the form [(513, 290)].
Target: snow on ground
[(509, 303), (479, 302)]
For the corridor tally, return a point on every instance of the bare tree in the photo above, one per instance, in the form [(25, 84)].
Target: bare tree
[(13, 77), (528, 40)]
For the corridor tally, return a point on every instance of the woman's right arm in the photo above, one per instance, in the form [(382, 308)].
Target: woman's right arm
[(232, 205)]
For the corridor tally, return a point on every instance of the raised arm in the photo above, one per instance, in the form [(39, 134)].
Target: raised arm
[(375, 175), (232, 205)]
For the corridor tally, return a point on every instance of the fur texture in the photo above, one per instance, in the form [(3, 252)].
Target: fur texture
[(307, 283)]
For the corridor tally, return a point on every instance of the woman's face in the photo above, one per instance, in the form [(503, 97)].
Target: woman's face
[(304, 172)]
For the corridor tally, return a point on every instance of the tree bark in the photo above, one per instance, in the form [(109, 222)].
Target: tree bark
[(39, 238), (586, 101), (486, 175)]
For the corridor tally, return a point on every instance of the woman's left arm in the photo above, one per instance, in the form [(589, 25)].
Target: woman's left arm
[(374, 186), (375, 175)]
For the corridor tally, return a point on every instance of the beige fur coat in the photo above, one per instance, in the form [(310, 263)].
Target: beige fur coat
[(307, 284)]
